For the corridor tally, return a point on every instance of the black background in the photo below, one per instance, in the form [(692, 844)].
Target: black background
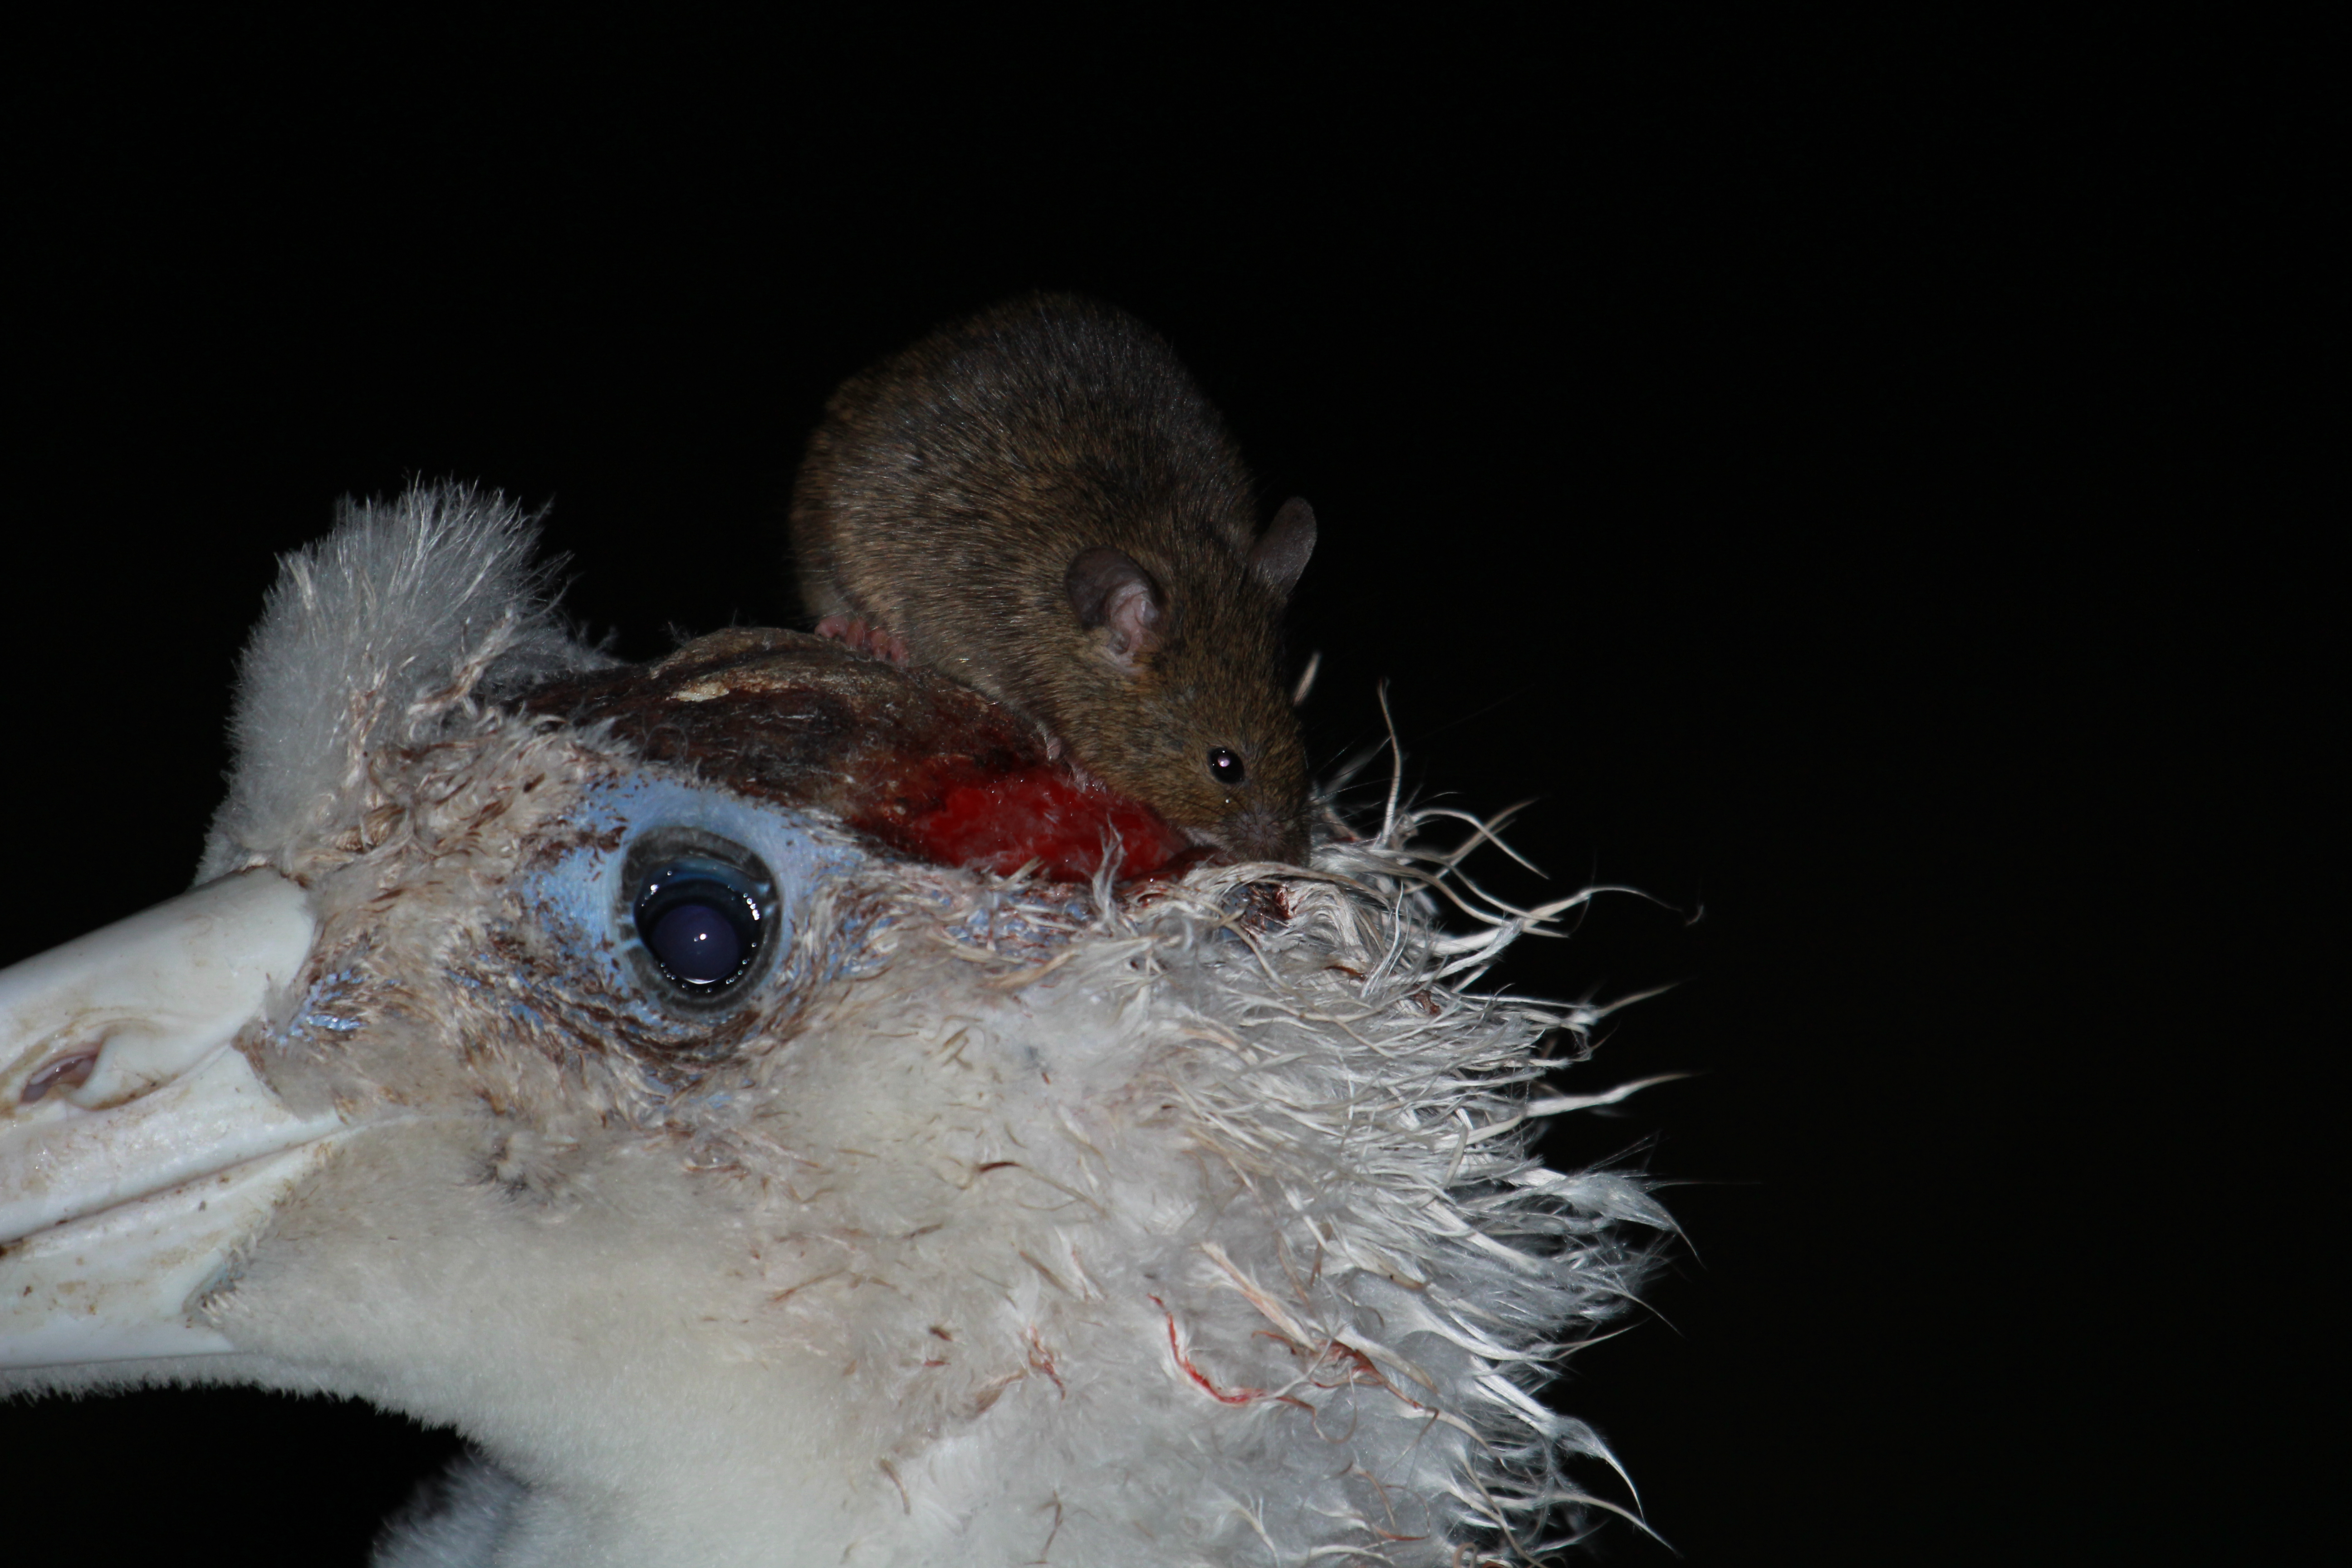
[(1844, 469)]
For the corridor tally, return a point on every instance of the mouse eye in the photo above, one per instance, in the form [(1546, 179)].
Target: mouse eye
[(1225, 767)]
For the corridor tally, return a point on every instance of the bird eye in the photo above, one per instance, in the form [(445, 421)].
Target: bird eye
[(702, 913), (1226, 768)]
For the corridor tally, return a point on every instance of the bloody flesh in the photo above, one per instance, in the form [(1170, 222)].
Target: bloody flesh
[(929, 768)]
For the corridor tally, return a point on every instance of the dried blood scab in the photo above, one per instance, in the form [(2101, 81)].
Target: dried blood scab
[(929, 767)]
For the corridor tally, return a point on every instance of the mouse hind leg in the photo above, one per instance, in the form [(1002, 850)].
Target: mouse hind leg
[(866, 637), (837, 615)]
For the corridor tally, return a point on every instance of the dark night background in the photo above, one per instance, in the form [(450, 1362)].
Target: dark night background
[(1846, 468)]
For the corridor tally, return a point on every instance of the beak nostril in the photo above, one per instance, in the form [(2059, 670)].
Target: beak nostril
[(69, 1071)]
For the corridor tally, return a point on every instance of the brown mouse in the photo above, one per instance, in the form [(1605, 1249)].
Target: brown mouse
[(1041, 503)]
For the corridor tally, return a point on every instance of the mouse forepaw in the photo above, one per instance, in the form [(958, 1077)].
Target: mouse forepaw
[(867, 638)]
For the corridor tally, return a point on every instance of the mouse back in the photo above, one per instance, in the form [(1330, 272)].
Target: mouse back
[(1039, 501)]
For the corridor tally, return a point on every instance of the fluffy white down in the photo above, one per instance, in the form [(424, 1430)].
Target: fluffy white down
[(1198, 1228), (399, 604), (1244, 1259)]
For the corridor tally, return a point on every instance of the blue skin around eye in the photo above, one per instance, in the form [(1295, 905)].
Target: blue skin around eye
[(580, 904)]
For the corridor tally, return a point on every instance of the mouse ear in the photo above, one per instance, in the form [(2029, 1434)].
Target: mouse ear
[(1281, 553), (1109, 589)]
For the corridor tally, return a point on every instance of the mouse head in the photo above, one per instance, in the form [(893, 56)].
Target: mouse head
[(1191, 716)]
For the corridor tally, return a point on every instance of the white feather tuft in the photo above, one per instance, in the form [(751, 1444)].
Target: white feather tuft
[(402, 602)]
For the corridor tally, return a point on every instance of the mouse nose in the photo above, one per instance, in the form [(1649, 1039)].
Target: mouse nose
[(1262, 835)]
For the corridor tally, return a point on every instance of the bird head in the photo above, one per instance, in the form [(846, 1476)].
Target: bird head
[(779, 1116)]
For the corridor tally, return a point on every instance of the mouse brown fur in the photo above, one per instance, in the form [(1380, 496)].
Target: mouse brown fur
[(1041, 503)]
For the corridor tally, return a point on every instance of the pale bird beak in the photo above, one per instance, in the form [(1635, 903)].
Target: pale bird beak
[(138, 1150)]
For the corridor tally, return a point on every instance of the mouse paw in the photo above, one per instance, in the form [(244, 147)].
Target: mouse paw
[(867, 638)]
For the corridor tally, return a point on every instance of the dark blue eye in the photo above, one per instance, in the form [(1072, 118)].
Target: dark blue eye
[(702, 921), (696, 943)]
